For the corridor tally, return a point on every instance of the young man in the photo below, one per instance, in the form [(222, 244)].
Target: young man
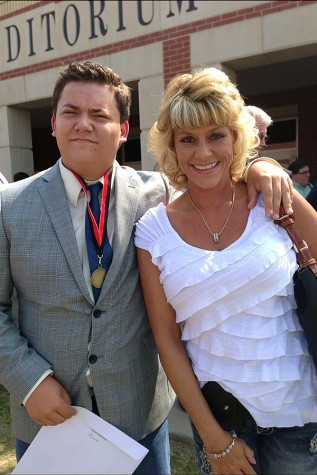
[(84, 337)]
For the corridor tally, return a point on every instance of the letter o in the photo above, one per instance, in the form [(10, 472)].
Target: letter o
[(77, 24)]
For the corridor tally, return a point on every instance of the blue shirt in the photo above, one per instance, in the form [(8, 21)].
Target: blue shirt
[(303, 190)]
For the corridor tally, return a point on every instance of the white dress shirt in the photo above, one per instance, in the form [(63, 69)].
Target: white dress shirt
[(77, 206)]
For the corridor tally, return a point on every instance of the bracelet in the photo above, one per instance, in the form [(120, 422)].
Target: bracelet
[(259, 159), (227, 449)]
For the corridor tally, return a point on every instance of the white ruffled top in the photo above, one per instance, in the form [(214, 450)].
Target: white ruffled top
[(237, 311)]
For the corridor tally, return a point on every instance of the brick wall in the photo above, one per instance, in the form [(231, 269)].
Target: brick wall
[(176, 54)]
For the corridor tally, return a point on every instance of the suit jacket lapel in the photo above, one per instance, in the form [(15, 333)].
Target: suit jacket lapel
[(53, 194), (126, 205)]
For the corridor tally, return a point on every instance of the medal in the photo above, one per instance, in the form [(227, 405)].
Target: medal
[(97, 277), (97, 232)]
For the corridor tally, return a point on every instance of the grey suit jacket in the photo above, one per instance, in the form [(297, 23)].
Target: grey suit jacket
[(57, 318)]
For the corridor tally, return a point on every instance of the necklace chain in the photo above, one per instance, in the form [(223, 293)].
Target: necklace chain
[(215, 235)]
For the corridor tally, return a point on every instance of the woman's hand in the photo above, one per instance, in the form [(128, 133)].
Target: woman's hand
[(238, 461), (275, 186)]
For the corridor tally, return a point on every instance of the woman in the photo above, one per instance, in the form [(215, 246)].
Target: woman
[(217, 282)]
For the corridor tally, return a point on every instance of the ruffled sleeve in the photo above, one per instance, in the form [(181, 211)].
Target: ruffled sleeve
[(154, 233)]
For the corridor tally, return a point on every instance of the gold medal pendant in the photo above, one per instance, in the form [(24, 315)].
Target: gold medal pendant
[(97, 277)]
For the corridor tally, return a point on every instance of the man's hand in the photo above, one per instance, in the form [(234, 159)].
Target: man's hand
[(49, 404), (274, 184)]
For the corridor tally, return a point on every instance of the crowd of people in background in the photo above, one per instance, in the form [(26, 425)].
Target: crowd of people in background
[(299, 170)]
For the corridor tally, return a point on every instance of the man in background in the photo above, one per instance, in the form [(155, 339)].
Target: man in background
[(300, 175), (262, 121)]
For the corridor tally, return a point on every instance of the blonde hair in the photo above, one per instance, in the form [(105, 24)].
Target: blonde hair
[(204, 97)]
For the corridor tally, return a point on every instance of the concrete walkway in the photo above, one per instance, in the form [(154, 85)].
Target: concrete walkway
[(179, 425)]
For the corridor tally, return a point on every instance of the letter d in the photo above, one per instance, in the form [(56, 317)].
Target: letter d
[(18, 42)]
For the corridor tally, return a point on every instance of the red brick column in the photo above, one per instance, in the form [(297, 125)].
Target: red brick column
[(176, 57)]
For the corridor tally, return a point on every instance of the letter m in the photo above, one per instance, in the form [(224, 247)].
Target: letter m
[(179, 3)]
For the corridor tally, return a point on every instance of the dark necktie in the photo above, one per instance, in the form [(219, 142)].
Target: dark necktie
[(92, 247)]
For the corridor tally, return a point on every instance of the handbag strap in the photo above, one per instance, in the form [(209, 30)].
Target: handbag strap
[(303, 254)]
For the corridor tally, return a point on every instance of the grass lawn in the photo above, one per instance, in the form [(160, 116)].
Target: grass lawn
[(182, 455), (7, 452)]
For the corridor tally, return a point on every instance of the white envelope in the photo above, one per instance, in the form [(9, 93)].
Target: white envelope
[(80, 445)]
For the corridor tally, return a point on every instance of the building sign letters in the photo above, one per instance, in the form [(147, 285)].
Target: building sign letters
[(38, 33)]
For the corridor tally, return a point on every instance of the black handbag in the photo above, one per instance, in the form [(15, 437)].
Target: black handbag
[(224, 406), (305, 283)]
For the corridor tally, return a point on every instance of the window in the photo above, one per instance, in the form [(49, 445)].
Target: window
[(282, 144), (130, 153)]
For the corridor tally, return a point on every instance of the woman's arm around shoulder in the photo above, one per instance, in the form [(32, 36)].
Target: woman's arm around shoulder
[(275, 185)]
